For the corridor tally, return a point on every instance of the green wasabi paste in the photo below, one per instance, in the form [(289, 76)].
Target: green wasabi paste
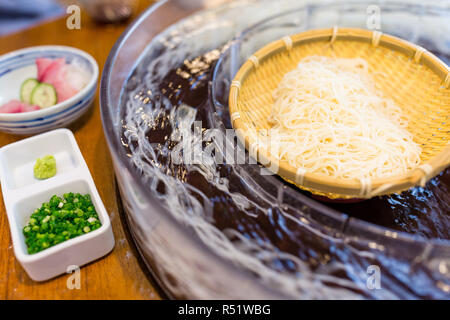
[(45, 167)]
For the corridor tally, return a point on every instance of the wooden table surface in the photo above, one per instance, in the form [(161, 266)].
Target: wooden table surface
[(119, 275)]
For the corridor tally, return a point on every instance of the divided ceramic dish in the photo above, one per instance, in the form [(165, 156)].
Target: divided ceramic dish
[(17, 66), (22, 194)]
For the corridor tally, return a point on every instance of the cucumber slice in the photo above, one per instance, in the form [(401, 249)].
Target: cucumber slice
[(44, 95), (27, 88)]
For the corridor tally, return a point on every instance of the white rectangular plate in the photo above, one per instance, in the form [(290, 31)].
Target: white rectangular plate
[(23, 194)]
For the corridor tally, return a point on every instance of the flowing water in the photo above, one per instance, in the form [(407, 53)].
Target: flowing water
[(283, 246)]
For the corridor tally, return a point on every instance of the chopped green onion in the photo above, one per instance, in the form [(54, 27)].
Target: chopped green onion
[(60, 219)]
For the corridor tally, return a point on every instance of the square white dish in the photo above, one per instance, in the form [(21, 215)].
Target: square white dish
[(23, 193), (17, 159)]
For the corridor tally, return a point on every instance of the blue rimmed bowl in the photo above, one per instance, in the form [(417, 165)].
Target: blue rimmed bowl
[(17, 66)]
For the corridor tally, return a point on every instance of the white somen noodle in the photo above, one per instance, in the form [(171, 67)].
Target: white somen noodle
[(329, 118)]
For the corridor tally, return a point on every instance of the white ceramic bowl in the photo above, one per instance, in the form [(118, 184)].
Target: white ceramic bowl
[(22, 194), (17, 66)]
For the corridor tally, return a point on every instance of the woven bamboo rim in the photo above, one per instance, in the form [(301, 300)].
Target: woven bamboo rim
[(417, 80)]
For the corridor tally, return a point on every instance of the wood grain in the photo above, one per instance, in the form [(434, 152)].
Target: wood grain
[(119, 275)]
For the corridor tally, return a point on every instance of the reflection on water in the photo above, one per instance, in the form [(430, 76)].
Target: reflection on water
[(422, 211)]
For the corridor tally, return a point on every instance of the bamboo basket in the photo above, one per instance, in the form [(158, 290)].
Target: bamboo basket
[(415, 79)]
